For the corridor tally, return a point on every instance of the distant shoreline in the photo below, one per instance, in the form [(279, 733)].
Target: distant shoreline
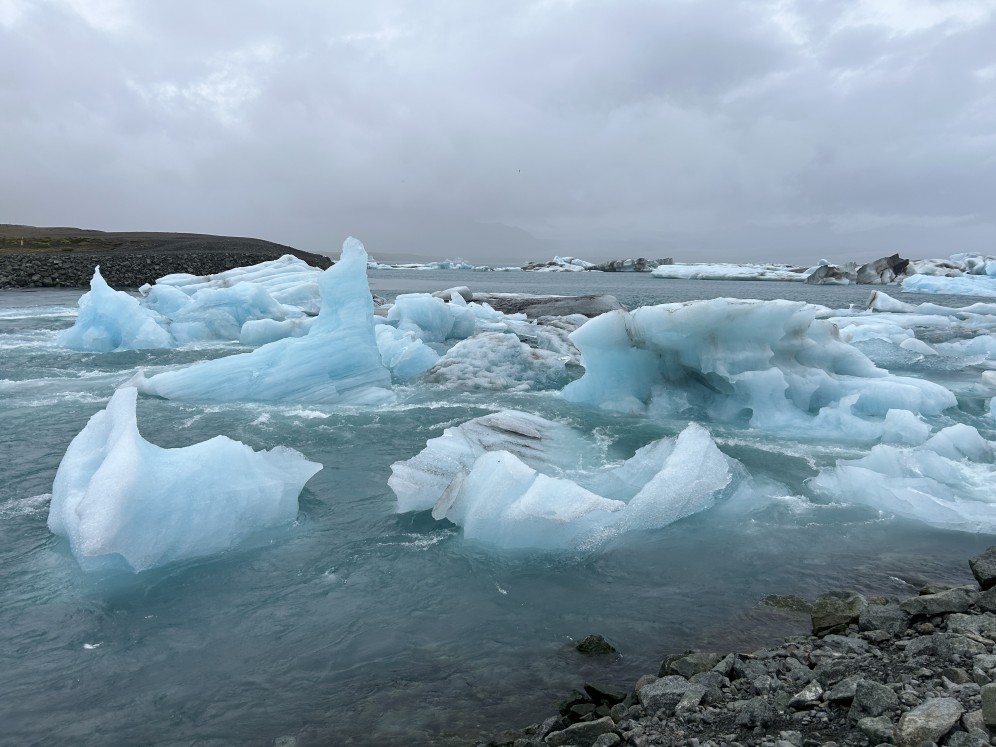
[(33, 257)]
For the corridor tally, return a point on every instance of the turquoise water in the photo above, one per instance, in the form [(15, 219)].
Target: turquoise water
[(357, 625)]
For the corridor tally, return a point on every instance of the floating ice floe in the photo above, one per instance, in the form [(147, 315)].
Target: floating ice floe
[(498, 362), (725, 271), (518, 481), (122, 501), (111, 320), (964, 285), (337, 361), (946, 482), (772, 364)]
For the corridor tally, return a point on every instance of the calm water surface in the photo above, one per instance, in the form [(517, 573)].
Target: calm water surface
[(357, 625)]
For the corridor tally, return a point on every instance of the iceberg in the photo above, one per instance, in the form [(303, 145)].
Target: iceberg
[(432, 319), (964, 285), (111, 320), (515, 480), (336, 362), (771, 364), (288, 281), (122, 501), (726, 271), (946, 482), (493, 361)]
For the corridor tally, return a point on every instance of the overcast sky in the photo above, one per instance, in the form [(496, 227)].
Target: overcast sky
[(699, 129)]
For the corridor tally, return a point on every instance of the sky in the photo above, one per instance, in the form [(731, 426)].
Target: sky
[(755, 130)]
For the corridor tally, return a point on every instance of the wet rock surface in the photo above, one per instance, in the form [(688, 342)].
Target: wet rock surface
[(907, 672)]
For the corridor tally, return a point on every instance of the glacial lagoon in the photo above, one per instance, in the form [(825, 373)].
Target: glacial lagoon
[(357, 624)]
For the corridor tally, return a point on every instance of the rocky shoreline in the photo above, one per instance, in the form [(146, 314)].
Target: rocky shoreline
[(876, 671), (64, 258)]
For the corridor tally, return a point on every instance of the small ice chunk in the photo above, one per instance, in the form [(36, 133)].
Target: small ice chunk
[(119, 499)]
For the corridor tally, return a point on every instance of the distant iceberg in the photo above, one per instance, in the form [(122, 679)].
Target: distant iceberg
[(516, 480), (963, 285), (124, 502), (337, 361), (771, 364), (726, 271)]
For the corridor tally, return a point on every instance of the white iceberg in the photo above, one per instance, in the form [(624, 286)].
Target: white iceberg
[(288, 281), (121, 500), (946, 482), (964, 285), (432, 319), (336, 362), (726, 271), (543, 497), (772, 364), (111, 320)]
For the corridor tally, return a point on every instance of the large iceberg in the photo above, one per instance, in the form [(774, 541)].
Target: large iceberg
[(516, 480), (946, 482), (337, 361), (288, 280), (110, 320), (771, 364), (122, 501), (964, 285)]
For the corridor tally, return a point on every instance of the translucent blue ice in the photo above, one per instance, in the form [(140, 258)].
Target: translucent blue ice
[(124, 502)]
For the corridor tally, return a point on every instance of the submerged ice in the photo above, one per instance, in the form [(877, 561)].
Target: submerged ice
[(122, 501), (516, 480)]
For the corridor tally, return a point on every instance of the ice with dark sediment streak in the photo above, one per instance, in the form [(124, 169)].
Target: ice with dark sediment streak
[(515, 480), (123, 502), (771, 364), (111, 320), (336, 362)]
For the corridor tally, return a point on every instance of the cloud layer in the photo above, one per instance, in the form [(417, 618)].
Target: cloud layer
[(778, 129)]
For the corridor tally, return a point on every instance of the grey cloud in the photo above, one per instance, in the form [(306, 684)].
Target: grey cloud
[(754, 130)]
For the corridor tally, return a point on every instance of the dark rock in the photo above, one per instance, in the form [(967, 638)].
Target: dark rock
[(605, 694), (844, 691), (878, 729), (959, 599), (632, 265), (756, 712), (809, 697), (833, 612), (987, 600), (890, 618), (595, 645), (928, 722), (665, 693), (989, 705), (583, 735), (984, 568), (871, 699), (690, 664)]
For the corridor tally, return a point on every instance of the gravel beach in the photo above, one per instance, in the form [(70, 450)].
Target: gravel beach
[(909, 672)]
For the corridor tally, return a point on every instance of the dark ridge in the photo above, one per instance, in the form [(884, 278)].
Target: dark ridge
[(33, 257)]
